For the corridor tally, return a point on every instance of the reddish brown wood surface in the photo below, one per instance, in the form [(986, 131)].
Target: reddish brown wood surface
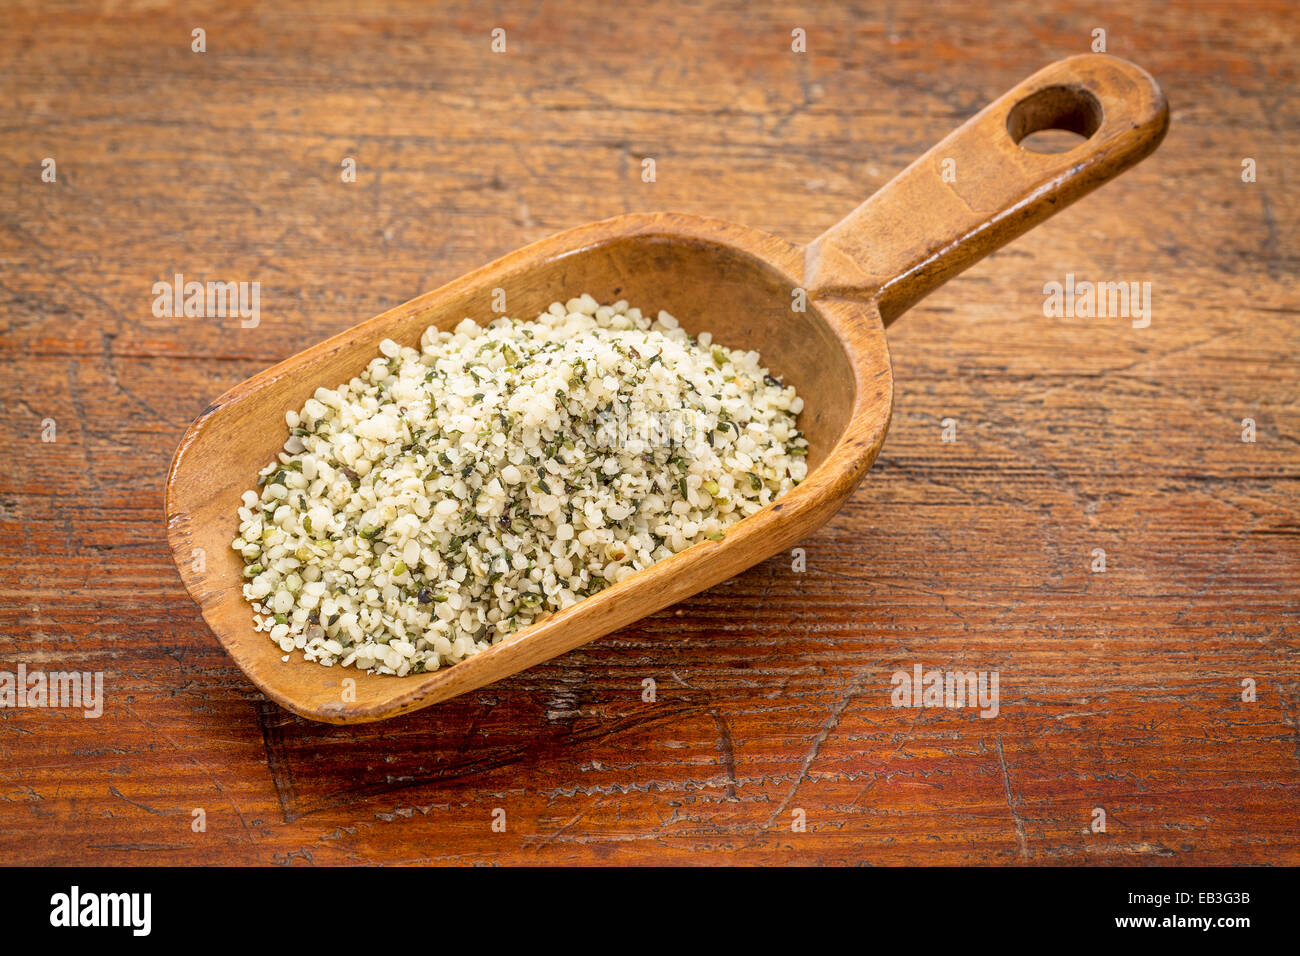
[(1120, 691)]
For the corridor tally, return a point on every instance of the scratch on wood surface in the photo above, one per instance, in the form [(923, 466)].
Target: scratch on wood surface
[(1019, 824), (121, 796), (814, 747), (560, 831), (901, 741), (201, 767), (726, 750), (271, 719)]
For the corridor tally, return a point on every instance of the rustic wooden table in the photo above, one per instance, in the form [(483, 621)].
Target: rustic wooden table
[(1126, 732)]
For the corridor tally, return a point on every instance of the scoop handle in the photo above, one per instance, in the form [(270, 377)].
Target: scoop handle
[(978, 189)]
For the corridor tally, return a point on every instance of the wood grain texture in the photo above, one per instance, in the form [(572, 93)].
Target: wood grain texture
[(1119, 690)]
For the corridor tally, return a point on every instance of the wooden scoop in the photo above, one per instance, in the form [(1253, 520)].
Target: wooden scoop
[(964, 198)]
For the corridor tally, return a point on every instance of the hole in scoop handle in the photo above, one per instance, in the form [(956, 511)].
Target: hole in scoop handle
[(978, 189)]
